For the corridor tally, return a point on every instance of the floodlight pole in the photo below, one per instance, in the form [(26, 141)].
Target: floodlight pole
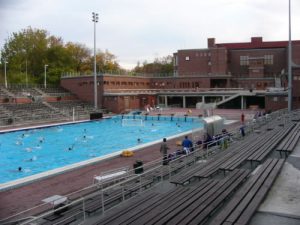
[(26, 74), (45, 78), (95, 20), (5, 77), (290, 97)]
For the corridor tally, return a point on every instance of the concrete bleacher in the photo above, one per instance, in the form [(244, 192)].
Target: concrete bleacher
[(23, 91), (27, 113), (55, 91), (81, 109), (33, 104)]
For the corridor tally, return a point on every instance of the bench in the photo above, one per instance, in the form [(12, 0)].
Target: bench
[(140, 204), (182, 203), (61, 221), (116, 196), (244, 203), (246, 151), (200, 206), (203, 170), (270, 144), (289, 142), (258, 150)]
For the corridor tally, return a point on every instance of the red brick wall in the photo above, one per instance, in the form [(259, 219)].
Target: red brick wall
[(22, 100), (197, 63), (274, 103), (180, 82), (83, 87), (279, 61), (218, 61), (126, 82)]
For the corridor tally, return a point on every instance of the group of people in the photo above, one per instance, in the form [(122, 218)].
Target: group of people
[(188, 146)]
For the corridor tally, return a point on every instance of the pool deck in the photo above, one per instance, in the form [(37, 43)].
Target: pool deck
[(24, 197)]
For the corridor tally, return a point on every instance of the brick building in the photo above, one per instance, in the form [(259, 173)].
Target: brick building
[(232, 75)]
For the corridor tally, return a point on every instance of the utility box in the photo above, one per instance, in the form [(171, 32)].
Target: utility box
[(213, 125), (138, 167)]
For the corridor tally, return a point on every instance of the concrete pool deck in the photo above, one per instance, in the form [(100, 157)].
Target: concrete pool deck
[(282, 204), (24, 197)]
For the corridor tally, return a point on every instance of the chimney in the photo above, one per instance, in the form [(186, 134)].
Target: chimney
[(256, 40), (211, 42)]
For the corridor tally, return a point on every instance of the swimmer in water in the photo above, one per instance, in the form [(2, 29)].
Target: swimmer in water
[(71, 147), (139, 141), (19, 143), (20, 169), (41, 139), (28, 149)]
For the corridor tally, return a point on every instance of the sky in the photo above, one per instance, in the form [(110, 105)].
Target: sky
[(139, 30)]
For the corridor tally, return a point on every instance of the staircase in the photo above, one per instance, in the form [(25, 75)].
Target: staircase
[(56, 110), (228, 99)]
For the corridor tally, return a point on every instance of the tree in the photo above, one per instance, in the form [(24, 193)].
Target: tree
[(162, 65), (29, 47), (80, 56)]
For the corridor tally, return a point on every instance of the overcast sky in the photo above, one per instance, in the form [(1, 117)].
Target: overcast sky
[(139, 30)]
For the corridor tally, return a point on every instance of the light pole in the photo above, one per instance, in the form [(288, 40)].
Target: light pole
[(45, 78), (95, 20), (290, 93), (5, 77), (26, 73)]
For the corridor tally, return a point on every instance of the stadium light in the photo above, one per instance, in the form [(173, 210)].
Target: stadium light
[(45, 78), (5, 77), (95, 20), (290, 86)]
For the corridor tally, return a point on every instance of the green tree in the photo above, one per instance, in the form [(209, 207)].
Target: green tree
[(80, 56), (162, 66)]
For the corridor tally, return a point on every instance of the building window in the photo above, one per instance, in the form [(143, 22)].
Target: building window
[(187, 58), (286, 99), (275, 99), (268, 59), (244, 60)]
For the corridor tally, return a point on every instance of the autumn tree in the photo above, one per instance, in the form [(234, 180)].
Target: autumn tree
[(162, 66)]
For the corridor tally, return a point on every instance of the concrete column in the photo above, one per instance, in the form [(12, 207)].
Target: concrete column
[(203, 99), (223, 97), (242, 102), (183, 102), (166, 101)]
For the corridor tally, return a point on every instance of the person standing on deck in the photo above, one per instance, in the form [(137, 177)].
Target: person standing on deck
[(243, 118), (164, 151), (187, 145)]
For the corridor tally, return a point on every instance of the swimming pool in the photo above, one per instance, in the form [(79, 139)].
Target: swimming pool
[(44, 149)]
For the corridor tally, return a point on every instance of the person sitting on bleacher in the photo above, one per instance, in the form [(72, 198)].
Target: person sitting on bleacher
[(206, 139), (187, 145)]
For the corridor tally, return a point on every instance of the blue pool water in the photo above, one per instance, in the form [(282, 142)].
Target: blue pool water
[(40, 150)]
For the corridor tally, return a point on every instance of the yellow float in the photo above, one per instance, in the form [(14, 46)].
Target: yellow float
[(127, 153), (178, 143)]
